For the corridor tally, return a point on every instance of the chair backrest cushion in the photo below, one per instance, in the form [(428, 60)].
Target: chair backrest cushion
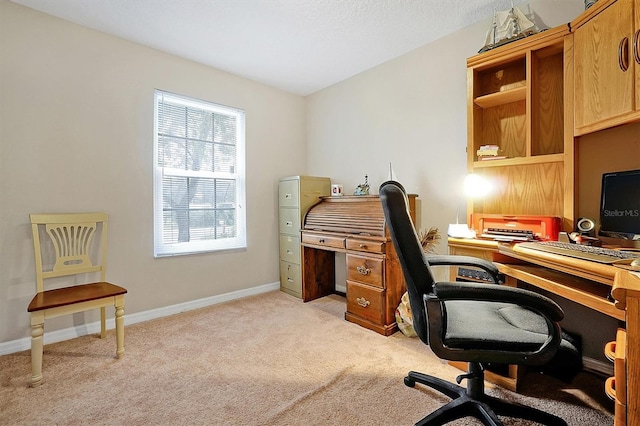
[(417, 273)]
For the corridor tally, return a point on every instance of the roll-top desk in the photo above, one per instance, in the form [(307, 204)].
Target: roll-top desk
[(354, 225)]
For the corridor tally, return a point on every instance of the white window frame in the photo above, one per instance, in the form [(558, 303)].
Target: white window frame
[(162, 248)]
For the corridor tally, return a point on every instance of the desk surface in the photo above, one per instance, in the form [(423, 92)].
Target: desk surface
[(595, 271), (584, 282)]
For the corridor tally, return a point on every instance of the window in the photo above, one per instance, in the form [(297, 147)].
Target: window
[(199, 182)]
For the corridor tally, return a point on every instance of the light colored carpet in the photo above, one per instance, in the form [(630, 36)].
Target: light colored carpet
[(262, 360)]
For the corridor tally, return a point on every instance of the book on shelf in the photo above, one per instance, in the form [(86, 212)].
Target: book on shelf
[(491, 157), (488, 150)]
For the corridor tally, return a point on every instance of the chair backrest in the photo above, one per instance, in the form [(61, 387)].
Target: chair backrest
[(72, 238), (416, 270)]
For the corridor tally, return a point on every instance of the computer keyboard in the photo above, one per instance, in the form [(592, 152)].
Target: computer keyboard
[(579, 251)]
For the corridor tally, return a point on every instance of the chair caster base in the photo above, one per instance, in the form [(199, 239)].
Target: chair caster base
[(481, 406), (409, 382)]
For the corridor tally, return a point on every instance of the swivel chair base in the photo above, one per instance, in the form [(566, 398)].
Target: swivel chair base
[(472, 401)]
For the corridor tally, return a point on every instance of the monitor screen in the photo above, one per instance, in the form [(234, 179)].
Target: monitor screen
[(620, 205)]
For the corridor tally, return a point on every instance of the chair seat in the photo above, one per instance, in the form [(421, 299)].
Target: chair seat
[(503, 325), (71, 295)]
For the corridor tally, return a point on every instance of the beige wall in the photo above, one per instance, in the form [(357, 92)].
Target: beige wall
[(76, 134), (410, 111), (76, 111)]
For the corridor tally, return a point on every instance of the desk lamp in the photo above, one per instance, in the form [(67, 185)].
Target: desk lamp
[(475, 187)]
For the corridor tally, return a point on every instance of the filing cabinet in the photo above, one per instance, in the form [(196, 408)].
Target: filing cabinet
[(296, 195)]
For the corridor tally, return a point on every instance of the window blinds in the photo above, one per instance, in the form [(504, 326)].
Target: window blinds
[(199, 176)]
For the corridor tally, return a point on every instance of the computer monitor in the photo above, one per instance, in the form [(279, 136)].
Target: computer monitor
[(620, 205)]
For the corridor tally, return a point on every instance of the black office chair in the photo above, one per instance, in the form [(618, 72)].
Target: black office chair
[(473, 322)]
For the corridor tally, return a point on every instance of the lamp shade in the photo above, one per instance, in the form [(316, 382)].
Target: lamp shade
[(476, 186)]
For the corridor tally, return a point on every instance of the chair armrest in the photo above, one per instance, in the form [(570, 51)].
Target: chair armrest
[(491, 293), (455, 260), (446, 291)]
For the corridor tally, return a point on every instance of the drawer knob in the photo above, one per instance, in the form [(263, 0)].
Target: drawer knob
[(290, 280), (610, 351), (289, 223), (363, 270), (363, 246), (610, 388), (289, 251), (623, 54), (362, 302), (321, 240), (636, 46)]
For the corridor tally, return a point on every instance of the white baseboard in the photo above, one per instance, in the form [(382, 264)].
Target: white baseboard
[(82, 330)]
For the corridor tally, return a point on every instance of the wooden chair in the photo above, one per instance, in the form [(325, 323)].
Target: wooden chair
[(71, 250)]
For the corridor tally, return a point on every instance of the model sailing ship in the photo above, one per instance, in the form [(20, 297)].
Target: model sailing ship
[(509, 25)]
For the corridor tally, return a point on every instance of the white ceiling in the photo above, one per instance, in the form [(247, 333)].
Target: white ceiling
[(300, 46)]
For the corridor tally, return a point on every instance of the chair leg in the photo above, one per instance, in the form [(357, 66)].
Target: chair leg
[(460, 408), (512, 409), (103, 322), (119, 318), (37, 334), (442, 386), (462, 404)]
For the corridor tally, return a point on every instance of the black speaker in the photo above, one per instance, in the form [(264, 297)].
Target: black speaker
[(585, 226)]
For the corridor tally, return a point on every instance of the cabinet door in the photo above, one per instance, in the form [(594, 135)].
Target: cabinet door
[(603, 90)]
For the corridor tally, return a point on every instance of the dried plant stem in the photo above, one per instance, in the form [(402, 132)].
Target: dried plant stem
[(429, 238)]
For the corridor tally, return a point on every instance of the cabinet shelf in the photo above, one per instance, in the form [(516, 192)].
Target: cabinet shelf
[(501, 98), (516, 101), (518, 161)]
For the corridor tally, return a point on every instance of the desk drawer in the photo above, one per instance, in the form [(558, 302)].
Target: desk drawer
[(365, 245), (365, 302), (323, 240), (367, 270)]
